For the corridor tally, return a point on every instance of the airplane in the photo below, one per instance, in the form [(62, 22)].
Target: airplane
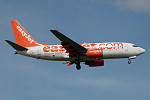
[(93, 54)]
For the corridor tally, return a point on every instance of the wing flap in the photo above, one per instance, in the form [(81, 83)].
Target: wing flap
[(71, 47)]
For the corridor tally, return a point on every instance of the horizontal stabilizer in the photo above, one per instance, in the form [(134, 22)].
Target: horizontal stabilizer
[(16, 46)]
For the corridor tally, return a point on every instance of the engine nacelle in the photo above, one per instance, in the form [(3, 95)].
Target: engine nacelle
[(95, 63), (95, 53)]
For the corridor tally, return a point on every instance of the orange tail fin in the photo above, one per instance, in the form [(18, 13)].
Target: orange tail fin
[(22, 37)]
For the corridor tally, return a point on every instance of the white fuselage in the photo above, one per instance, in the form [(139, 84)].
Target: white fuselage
[(109, 51)]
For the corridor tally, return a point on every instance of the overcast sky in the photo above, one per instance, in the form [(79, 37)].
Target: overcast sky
[(24, 78)]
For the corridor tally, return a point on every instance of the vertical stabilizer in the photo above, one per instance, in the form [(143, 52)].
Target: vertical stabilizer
[(22, 37)]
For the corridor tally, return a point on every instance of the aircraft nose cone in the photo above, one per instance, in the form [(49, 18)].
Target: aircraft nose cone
[(142, 50)]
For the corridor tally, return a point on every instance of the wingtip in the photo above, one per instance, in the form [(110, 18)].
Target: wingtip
[(52, 30)]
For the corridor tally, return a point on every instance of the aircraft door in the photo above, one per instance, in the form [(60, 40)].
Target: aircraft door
[(126, 47), (38, 53)]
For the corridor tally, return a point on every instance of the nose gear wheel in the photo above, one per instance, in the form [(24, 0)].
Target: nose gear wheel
[(129, 61)]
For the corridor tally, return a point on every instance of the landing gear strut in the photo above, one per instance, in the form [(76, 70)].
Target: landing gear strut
[(77, 62), (129, 61), (78, 67)]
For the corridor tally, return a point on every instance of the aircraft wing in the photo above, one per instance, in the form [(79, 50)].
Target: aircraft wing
[(71, 47)]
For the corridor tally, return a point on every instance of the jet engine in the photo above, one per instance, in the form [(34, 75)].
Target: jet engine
[(95, 63)]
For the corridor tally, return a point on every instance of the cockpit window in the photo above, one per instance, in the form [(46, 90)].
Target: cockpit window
[(135, 46)]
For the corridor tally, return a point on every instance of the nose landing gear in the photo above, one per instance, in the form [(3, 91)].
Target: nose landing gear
[(129, 61)]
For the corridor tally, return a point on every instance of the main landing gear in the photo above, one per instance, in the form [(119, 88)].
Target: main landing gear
[(78, 67), (77, 62)]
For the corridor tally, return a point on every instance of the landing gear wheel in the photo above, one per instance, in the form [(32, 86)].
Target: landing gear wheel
[(78, 67), (129, 62), (77, 62)]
